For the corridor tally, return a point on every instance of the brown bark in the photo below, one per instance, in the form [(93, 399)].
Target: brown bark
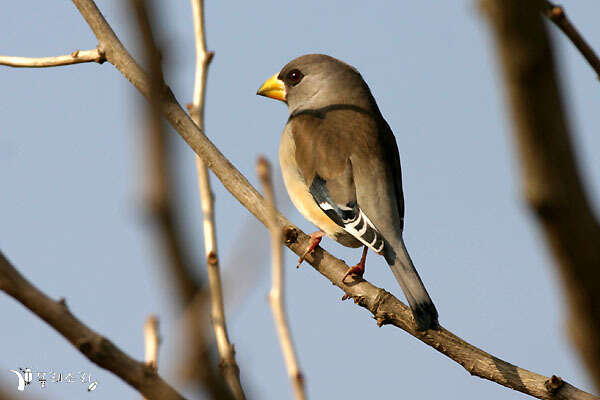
[(551, 182)]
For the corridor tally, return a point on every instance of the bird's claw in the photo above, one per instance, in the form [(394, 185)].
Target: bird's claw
[(315, 239), (356, 271)]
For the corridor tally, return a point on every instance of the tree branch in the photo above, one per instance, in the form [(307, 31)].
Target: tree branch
[(385, 307), (228, 365), (276, 295), (76, 57), (557, 15), (551, 181), (151, 341), (95, 347), (160, 193)]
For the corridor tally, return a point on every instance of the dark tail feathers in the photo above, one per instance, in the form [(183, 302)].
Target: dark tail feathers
[(424, 312)]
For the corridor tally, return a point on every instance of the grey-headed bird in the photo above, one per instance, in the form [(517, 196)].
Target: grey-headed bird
[(341, 168)]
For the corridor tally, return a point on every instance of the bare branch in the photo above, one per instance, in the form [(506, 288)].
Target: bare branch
[(95, 347), (385, 307), (551, 181), (76, 57), (228, 364), (160, 194), (276, 295), (557, 15), (151, 341)]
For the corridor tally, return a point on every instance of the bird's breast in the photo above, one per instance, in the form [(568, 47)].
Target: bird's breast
[(297, 189)]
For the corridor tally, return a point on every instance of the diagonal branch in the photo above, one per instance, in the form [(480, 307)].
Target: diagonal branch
[(276, 296), (551, 182), (95, 347), (558, 15), (385, 307), (228, 365), (76, 57)]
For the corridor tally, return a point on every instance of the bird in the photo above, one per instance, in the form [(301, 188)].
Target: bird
[(341, 168)]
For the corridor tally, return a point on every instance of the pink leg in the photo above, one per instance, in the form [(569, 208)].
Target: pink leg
[(358, 269), (315, 239)]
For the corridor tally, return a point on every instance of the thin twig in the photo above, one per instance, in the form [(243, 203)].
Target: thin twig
[(95, 347), (151, 341), (551, 181), (160, 197), (76, 57), (229, 366), (276, 295), (385, 307), (558, 15)]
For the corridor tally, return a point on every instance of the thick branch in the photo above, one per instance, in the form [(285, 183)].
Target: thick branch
[(385, 307), (557, 15), (76, 57), (95, 347), (550, 178), (229, 366), (276, 295)]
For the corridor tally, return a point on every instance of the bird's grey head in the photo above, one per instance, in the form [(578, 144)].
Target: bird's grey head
[(315, 81)]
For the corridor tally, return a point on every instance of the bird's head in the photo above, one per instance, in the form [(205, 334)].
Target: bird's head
[(315, 81)]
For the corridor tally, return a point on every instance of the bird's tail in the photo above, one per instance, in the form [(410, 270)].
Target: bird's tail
[(424, 312)]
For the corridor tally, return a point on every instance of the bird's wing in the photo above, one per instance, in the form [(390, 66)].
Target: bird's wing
[(349, 160), (346, 163)]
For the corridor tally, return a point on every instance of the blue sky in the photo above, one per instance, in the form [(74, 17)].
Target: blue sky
[(72, 217)]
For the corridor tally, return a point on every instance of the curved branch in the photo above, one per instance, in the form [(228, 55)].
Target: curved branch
[(76, 57), (558, 15), (551, 181), (95, 347)]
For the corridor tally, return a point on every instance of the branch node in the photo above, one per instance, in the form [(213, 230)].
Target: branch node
[(554, 384), (63, 302), (381, 297), (556, 13), (149, 369), (85, 346), (209, 57), (299, 377), (101, 55), (75, 53), (290, 234), (212, 258)]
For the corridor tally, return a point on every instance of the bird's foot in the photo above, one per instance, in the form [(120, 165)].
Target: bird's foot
[(315, 239), (359, 269)]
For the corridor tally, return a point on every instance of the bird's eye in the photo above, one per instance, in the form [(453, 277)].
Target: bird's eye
[(294, 76)]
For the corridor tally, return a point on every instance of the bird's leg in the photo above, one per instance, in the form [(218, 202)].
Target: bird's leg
[(315, 239), (358, 269)]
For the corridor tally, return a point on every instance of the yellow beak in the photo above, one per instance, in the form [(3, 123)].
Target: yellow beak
[(273, 88)]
